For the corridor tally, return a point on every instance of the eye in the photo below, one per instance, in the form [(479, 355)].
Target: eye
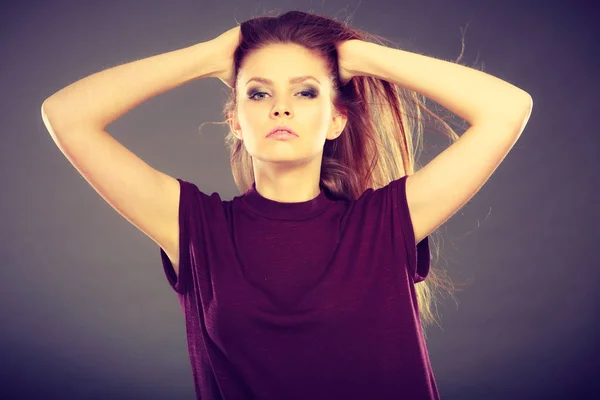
[(311, 94), (253, 94)]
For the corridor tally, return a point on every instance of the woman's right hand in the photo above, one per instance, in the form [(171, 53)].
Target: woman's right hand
[(225, 45)]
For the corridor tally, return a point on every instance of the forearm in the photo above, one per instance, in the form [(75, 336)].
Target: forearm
[(473, 95), (101, 98)]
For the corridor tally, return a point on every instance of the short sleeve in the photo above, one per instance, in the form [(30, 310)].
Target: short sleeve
[(418, 254), (194, 206), (178, 283)]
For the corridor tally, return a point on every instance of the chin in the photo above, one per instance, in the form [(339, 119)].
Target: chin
[(282, 158)]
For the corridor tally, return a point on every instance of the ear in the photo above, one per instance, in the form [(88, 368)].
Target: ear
[(234, 124), (338, 124)]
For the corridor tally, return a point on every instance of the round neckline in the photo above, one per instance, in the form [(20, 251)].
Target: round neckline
[(285, 211)]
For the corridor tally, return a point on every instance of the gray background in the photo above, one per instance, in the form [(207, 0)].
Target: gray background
[(86, 311)]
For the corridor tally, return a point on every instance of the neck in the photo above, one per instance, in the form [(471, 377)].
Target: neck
[(287, 184)]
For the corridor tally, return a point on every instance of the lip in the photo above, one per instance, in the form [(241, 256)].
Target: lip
[(281, 128)]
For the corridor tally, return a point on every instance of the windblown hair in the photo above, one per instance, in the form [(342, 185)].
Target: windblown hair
[(384, 123)]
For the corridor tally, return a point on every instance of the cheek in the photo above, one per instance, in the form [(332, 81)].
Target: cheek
[(247, 116), (317, 112)]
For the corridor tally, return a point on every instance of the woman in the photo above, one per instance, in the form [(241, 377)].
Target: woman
[(305, 285)]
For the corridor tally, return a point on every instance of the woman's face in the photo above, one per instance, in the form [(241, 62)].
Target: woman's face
[(267, 97)]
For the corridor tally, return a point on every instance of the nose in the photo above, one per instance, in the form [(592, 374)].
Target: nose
[(281, 110)]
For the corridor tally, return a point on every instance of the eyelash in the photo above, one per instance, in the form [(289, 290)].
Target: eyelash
[(312, 93)]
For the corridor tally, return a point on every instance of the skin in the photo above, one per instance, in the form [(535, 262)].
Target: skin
[(286, 171)]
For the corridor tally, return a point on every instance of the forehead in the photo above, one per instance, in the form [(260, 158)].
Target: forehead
[(278, 62)]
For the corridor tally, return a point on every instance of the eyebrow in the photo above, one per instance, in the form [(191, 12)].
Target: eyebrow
[(296, 79)]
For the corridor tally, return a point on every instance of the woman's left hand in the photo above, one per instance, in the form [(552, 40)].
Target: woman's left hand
[(344, 50)]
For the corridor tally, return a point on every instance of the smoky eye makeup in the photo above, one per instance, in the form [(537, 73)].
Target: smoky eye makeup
[(309, 92)]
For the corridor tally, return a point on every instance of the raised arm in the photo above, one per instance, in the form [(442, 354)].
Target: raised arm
[(77, 115)]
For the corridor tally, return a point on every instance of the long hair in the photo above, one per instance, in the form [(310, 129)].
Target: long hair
[(381, 139)]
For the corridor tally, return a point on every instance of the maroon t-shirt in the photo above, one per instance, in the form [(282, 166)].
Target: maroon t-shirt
[(310, 300)]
